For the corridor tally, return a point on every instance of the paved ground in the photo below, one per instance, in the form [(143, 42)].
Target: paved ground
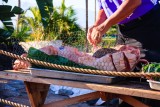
[(14, 90)]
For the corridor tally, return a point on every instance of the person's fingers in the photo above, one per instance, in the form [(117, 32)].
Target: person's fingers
[(90, 30), (96, 36), (99, 38), (89, 38)]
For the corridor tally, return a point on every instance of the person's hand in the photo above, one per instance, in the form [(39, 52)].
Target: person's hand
[(20, 64), (89, 38), (94, 35)]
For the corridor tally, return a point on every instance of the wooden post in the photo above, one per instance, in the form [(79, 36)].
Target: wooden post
[(107, 96), (95, 11), (86, 25), (37, 93)]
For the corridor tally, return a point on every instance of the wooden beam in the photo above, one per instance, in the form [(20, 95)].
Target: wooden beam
[(74, 100), (126, 88), (107, 96), (132, 101), (86, 26), (37, 93)]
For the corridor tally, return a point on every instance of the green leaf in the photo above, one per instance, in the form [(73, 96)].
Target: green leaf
[(5, 8), (10, 28), (153, 67), (5, 34), (5, 1), (7, 23), (17, 10), (6, 16), (46, 8)]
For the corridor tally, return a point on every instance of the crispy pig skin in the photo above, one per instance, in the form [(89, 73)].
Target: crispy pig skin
[(106, 59)]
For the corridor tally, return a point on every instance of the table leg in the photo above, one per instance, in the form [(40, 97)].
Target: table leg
[(37, 93), (132, 101), (128, 99)]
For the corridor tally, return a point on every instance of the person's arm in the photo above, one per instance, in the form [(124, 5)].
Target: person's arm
[(101, 17), (125, 9)]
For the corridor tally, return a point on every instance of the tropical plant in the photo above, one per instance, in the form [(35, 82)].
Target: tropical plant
[(7, 29), (30, 28), (46, 9), (22, 33), (58, 23), (109, 40), (61, 23), (112, 31), (64, 20)]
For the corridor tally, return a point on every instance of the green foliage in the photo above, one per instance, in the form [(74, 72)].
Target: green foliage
[(152, 68), (5, 16), (112, 31), (108, 42), (22, 33), (6, 13), (46, 8), (30, 28), (61, 24), (5, 1)]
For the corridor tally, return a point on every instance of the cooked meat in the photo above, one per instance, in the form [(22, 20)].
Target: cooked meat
[(103, 51)]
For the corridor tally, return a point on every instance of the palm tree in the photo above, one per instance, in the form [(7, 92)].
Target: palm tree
[(34, 21), (30, 27), (64, 20), (61, 25), (46, 8)]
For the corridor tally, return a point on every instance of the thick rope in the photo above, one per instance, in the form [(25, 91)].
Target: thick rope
[(12, 103), (81, 70)]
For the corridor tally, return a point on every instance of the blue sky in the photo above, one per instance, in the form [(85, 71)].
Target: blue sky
[(78, 5)]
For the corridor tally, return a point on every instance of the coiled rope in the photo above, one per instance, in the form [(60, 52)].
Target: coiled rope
[(12, 103), (81, 70)]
